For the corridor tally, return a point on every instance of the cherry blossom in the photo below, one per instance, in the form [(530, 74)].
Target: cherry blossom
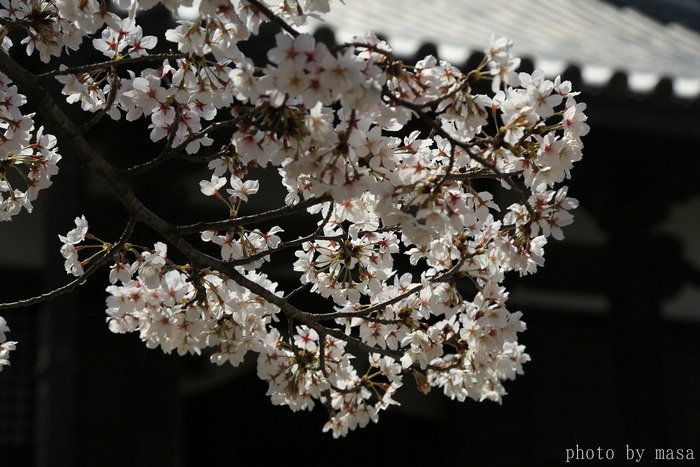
[(28, 158), (5, 345), (69, 249), (385, 161)]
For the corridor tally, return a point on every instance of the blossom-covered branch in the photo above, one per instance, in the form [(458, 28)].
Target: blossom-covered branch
[(332, 124)]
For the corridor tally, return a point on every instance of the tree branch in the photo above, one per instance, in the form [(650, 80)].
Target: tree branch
[(273, 17), (253, 218), (447, 275), (103, 260), (306, 318), (111, 97), (68, 133), (76, 70), (479, 175), (285, 245), (173, 153)]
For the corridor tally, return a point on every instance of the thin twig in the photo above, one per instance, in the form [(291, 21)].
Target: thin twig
[(175, 153), (285, 245), (272, 214), (76, 70), (322, 354), (104, 259), (273, 17), (111, 97), (446, 276), (480, 174), (296, 291)]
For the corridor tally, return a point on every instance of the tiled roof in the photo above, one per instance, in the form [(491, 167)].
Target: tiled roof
[(684, 12), (598, 37)]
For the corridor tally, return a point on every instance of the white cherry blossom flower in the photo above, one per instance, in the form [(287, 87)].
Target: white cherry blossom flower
[(77, 234), (241, 189)]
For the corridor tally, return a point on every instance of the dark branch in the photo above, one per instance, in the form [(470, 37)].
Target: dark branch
[(446, 276), (285, 245), (111, 97), (103, 260), (480, 174), (175, 153), (273, 17), (253, 218), (76, 70)]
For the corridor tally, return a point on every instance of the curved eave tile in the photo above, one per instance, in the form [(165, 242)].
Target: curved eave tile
[(601, 39)]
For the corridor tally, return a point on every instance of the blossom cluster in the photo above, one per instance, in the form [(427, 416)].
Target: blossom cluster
[(5, 345), (405, 217), (186, 311), (28, 156)]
